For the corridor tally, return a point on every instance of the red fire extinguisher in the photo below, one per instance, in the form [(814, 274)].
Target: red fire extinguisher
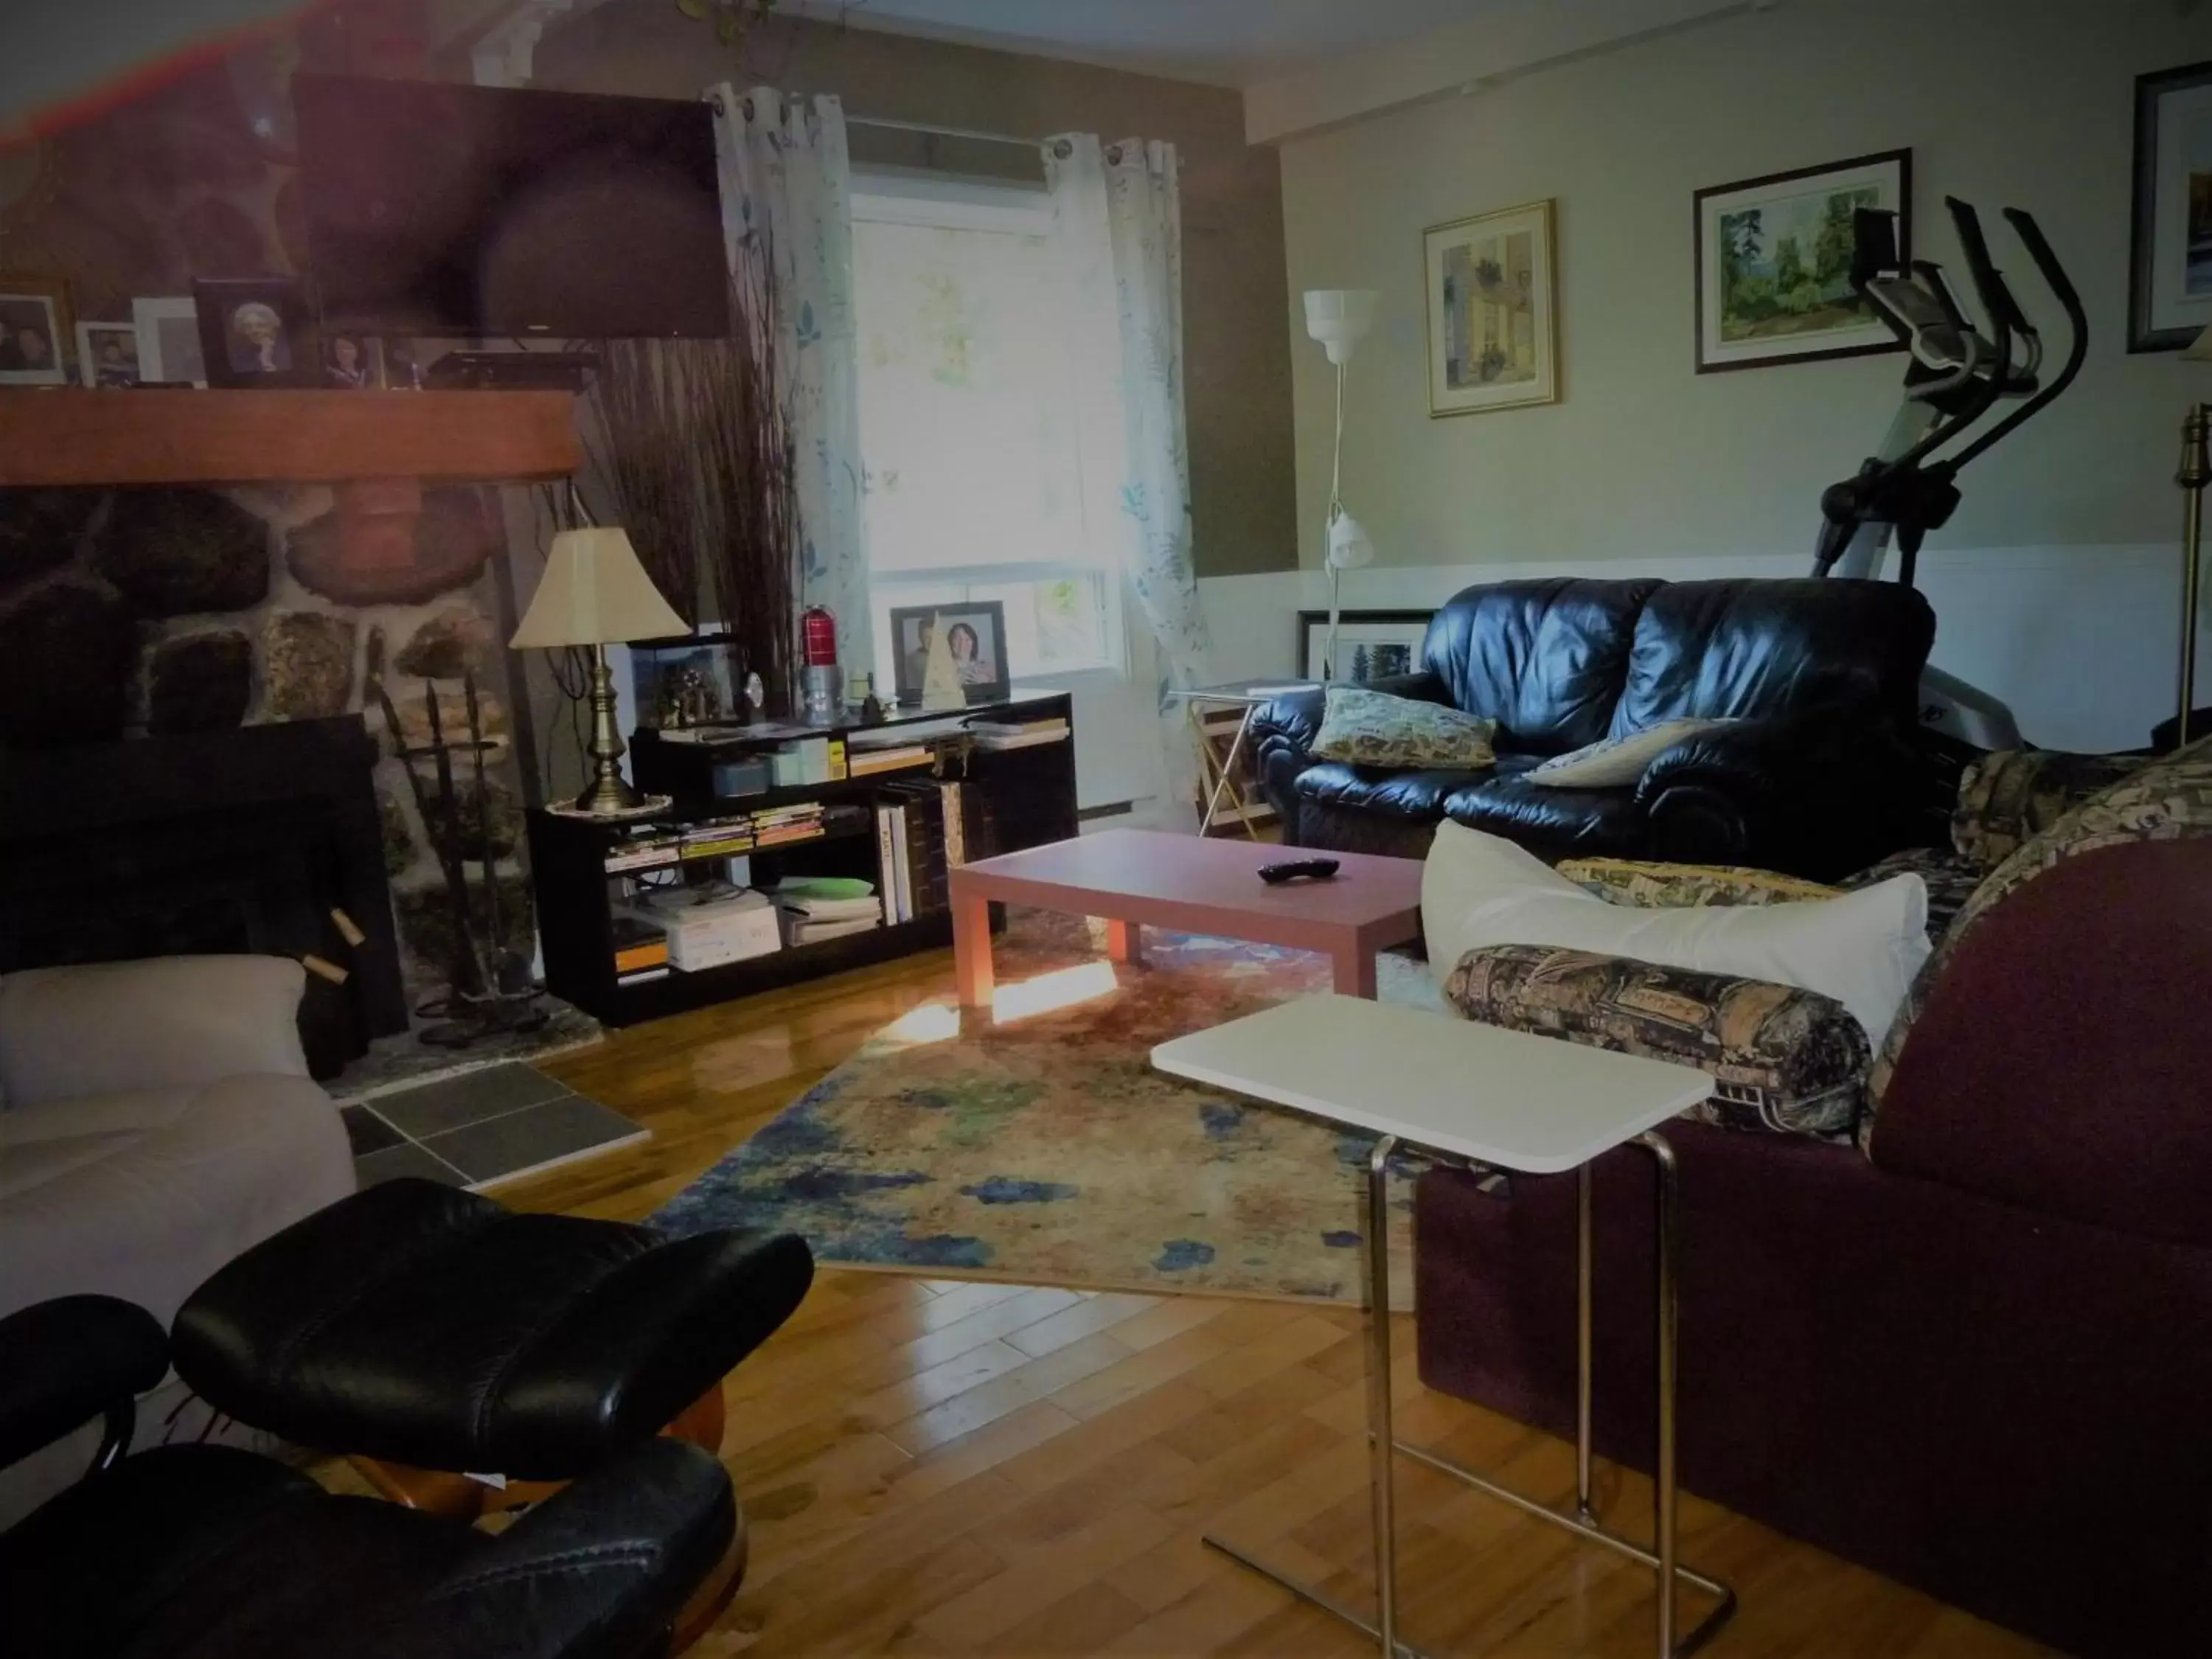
[(818, 633)]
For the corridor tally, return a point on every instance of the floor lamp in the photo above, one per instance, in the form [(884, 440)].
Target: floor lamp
[(2192, 475), (1340, 318)]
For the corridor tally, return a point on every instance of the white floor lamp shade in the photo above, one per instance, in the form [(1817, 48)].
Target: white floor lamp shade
[(1340, 318)]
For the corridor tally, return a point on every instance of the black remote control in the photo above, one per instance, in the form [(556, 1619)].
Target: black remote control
[(1315, 869)]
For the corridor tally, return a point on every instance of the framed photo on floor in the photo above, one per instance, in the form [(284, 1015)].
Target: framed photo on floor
[(1774, 262), (34, 330), (1371, 645), (976, 632), (2170, 262), (1493, 302)]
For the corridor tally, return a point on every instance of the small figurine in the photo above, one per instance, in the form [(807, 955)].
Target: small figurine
[(755, 698), (697, 692)]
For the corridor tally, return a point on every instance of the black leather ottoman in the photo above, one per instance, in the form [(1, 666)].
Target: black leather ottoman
[(419, 1325)]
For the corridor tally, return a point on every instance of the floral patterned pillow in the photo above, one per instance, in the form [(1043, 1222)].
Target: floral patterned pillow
[(1373, 728)]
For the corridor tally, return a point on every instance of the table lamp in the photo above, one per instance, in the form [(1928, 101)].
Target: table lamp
[(1340, 318), (595, 594), (2192, 475)]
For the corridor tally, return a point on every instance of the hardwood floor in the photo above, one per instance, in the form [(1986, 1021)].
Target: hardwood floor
[(939, 1468)]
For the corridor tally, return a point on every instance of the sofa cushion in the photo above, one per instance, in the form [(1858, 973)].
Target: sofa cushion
[(1748, 648), (1616, 763), (1860, 949), (2170, 799), (2062, 1061), (1417, 795), (1589, 823), (1373, 728), (1783, 1061), (2007, 797), (143, 1195), (1544, 659), (168, 1021)]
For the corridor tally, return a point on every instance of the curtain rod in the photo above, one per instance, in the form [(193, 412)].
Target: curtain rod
[(962, 133)]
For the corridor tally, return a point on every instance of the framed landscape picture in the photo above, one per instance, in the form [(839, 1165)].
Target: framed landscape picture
[(2170, 262), (1492, 303), (1371, 645), (1774, 262)]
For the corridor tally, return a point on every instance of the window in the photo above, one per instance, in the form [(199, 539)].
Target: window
[(975, 485)]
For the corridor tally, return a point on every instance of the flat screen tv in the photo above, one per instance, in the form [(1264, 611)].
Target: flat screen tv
[(437, 208)]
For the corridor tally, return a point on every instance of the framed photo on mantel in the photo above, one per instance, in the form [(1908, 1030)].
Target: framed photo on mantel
[(1774, 262)]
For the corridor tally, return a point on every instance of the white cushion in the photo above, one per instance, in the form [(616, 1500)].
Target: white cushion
[(1862, 948), (1616, 762)]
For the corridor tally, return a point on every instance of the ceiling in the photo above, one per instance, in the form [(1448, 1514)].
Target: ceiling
[(1228, 42)]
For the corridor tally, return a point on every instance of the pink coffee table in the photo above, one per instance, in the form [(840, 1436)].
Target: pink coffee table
[(1136, 878)]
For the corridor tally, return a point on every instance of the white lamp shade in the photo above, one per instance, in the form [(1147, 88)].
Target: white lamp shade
[(595, 592), (1340, 318), (1348, 546), (2198, 351)]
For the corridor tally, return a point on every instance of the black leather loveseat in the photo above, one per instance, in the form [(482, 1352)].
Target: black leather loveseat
[(1819, 775)]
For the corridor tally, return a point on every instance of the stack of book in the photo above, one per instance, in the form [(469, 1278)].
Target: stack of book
[(641, 950), (1017, 734), (811, 911), (780, 825), (911, 843), (646, 851), (891, 758), (720, 838)]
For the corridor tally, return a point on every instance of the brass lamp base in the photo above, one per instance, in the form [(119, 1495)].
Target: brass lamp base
[(609, 793)]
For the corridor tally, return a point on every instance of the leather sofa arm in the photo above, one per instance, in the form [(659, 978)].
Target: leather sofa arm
[(598, 1571), (65, 1362), (1783, 1061), (164, 1023), (1819, 793), (1285, 727)]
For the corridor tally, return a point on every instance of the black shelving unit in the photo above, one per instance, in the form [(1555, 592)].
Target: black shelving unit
[(1012, 799)]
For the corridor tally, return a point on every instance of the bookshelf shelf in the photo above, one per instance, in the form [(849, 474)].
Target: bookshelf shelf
[(1009, 799)]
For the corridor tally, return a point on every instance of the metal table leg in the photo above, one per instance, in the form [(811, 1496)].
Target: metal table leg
[(1581, 1520)]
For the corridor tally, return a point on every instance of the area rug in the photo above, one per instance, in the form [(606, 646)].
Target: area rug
[(1044, 1148)]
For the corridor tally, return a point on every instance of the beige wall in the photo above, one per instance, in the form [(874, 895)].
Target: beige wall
[(1236, 305), (2005, 102)]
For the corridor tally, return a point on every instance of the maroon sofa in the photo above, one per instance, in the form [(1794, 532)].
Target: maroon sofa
[(1976, 1358)]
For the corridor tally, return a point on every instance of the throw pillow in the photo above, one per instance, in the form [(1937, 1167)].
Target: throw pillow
[(1616, 762), (1862, 949), (2005, 798), (1373, 728), (1653, 886), (1783, 1060)]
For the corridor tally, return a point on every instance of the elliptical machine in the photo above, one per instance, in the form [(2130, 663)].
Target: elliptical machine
[(1956, 375)]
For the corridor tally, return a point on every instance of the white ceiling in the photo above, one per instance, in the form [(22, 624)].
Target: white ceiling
[(1228, 42)]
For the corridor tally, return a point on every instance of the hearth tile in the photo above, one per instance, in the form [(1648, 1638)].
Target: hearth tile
[(532, 1138), (368, 1133), (455, 1102), (405, 1159)]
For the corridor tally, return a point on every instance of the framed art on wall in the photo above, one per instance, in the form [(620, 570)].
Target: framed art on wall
[(1774, 262), (168, 342), (2170, 261), (1491, 290), (34, 330), (1371, 645)]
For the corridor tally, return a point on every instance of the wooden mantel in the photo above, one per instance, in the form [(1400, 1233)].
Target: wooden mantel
[(73, 436), (377, 449)]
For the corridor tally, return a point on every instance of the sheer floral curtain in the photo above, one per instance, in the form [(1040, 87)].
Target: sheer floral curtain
[(1118, 212), (787, 201)]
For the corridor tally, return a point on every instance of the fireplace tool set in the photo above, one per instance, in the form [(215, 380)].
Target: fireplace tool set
[(490, 990)]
